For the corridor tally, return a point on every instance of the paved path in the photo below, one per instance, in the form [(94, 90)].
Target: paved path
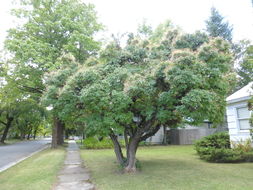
[(14, 153), (73, 176)]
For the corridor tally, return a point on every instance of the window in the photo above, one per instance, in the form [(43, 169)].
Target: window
[(243, 116)]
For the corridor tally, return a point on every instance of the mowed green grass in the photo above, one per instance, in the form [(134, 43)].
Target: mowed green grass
[(167, 168), (38, 172)]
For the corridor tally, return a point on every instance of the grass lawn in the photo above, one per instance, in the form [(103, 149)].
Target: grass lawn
[(167, 168), (38, 172)]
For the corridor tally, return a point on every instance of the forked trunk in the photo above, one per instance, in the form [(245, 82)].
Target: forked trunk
[(131, 156), (117, 149)]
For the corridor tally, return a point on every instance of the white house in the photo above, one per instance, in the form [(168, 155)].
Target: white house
[(238, 114)]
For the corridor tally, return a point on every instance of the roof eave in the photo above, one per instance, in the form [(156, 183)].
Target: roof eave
[(238, 99)]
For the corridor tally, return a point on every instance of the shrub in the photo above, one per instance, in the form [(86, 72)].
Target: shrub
[(216, 148), (222, 155), (248, 156), (217, 140), (242, 146), (95, 143)]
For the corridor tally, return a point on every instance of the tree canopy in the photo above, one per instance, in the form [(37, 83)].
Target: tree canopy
[(148, 83), (160, 77), (49, 29)]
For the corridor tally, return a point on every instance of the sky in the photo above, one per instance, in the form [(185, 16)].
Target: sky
[(120, 16)]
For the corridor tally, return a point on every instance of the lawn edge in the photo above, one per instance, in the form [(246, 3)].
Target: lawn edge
[(22, 159)]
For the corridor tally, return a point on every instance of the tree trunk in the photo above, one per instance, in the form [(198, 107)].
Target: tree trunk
[(131, 159), (7, 127), (57, 133), (60, 138), (34, 134), (126, 143), (164, 135), (117, 149), (22, 136), (28, 135), (66, 133), (54, 134)]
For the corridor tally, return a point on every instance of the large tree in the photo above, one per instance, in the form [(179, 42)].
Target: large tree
[(50, 28), (217, 27), (135, 89), (15, 105)]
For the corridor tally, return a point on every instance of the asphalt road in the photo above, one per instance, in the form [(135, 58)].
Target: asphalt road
[(11, 154)]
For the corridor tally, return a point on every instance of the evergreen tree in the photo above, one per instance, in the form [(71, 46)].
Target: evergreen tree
[(245, 71), (217, 27)]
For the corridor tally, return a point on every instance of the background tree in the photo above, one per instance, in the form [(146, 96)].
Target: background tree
[(15, 105), (51, 28), (245, 69), (10, 98), (217, 27), (142, 86)]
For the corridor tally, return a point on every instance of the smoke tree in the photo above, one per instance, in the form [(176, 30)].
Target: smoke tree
[(135, 89)]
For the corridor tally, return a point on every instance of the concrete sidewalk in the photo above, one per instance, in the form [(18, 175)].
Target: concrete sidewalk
[(73, 176)]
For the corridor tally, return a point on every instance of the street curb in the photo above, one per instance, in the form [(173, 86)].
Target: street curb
[(21, 159)]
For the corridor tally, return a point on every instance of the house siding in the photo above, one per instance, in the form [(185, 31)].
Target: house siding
[(236, 135)]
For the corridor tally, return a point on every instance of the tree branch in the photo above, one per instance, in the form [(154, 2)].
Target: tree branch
[(31, 89), (151, 132), (3, 122)]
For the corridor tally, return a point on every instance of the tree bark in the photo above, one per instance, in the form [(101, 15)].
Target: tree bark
[(28, 136), (7, 127), (66, 133), (126, 143), (132, 139), (117, 149), (60, 127), (54, 134), (34, 134), (164, 135), (57, 133), (22, 136), (131, 157), (133, 144)]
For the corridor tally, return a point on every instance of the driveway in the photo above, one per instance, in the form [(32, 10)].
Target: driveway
[(12, 154)]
